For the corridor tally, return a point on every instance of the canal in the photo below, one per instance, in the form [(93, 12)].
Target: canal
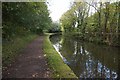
[(88, 60)]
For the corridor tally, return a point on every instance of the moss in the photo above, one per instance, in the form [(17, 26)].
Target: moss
[(59, 68), (12, 48)]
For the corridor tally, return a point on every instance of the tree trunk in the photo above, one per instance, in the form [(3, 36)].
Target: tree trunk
[(106, 19), (112, 24), (119, 24), (99, 21)]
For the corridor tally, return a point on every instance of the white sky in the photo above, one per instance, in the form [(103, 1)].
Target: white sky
[(57, 8)]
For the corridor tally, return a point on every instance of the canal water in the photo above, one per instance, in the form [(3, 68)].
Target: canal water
[(88, 60)]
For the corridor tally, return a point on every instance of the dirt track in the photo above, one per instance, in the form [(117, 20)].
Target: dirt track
[(30, 63)]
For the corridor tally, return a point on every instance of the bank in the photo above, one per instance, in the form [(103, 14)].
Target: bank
[(58, 67), (94, 38)]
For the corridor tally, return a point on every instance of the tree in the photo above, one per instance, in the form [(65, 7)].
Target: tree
[(102, 26), (55, 27), (22, 18)]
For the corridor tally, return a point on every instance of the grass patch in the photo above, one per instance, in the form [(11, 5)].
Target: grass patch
[(59, 68), (12, 48)]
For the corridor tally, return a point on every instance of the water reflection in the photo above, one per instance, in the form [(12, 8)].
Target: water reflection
[(87, 60)]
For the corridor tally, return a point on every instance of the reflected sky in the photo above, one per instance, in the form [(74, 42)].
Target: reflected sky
[(88, 60)]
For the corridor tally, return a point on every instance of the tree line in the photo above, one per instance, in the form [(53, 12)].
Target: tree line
[(93, 21), (21, 18)]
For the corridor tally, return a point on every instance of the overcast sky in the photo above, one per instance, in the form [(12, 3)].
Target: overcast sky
[(57, 8)]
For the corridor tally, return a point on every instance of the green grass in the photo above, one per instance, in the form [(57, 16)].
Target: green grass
[(59, 68), (11, 49)]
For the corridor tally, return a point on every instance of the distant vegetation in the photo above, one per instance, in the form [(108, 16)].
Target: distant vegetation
[(102, 26), (55, 28)]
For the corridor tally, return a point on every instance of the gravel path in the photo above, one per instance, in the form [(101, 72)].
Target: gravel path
[(30, 63)]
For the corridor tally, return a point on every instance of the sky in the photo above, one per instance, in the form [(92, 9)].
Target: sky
[(57, 8)]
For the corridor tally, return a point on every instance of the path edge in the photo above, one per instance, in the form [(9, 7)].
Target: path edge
[(55, 62)]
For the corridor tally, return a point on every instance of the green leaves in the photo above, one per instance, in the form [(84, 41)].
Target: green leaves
[(26, 16), (100, 19)]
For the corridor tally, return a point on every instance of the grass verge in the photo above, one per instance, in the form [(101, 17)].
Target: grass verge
[(11, 49), (59, 68)]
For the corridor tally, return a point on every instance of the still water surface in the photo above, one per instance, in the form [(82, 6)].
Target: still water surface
[(88, 60)]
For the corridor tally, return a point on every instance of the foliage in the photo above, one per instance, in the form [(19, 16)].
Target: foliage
[(55, 27), (102, 26), (68, 22), (21, 18)]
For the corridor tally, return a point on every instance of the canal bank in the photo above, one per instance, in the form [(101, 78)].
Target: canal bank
[(58, 67), (87, 60)]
